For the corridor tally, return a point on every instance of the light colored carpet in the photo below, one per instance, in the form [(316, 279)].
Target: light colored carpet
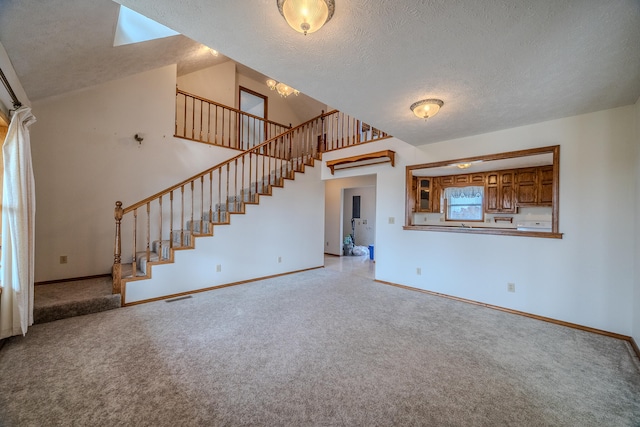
[(315, 348)]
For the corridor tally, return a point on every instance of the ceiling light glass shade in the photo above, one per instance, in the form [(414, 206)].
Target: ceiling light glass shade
[(283, 89), (426, 108), (306, 16)]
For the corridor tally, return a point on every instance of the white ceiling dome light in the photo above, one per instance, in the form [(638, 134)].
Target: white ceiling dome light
[(306, 16), (426, 108)]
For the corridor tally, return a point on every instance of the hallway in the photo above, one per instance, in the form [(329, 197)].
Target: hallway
[(357, 265)]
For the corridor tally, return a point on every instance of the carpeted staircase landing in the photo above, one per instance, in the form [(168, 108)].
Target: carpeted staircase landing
[(75, 298)]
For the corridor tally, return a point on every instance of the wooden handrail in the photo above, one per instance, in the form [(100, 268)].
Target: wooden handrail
[(204, 120), (213, 168), (209, 197), (235, 110)]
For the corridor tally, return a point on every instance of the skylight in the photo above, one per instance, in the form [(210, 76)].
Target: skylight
[(135, 28)]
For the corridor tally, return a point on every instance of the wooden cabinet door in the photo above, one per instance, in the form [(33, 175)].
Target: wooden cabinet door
[(462, 179), (446, 179), (491, 193), (545, 187), (436, 193), (424, 195), (507, 202), (491, 199), (477, 178), (527, 187)]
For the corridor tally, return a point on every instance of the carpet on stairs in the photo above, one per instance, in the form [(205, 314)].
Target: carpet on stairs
[(57, 301)]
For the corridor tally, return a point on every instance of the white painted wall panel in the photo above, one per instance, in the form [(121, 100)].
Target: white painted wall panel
[(286, 225), (85, 159), (585, 278)]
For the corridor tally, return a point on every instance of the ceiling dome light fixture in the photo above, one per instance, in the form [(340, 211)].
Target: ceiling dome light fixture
[(283, 89), (306, 16), (426, 108)]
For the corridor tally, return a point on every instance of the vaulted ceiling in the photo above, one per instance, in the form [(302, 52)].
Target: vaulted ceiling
[(496, 64)]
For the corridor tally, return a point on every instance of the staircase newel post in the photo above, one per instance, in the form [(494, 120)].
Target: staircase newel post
[(117, 253)]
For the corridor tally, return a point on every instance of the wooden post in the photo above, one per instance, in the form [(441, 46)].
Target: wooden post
[(117, 253)]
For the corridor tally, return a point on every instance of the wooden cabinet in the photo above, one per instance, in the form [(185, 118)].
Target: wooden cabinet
[(545, 186), (499, 192), (428, 192), (436, 194), (535, 186), (504, 190)]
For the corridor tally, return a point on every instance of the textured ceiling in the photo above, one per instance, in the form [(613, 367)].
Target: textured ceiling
[(61, 45), (495, 63)]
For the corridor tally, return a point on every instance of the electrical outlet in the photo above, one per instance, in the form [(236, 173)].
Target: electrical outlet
[(218, 268), (279, 259), (327, 243), (511, 287), (63, 259), (418, 271), (392, 220)]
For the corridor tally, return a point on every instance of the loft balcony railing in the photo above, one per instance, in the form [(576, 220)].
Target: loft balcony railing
[(203, 120)]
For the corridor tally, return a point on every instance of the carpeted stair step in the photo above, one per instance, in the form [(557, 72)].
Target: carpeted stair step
[(57, 301)]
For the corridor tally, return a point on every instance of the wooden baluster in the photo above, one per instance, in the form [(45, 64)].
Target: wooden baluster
[(235, 186), (222, 127), (182, 217), (341, 121), (242, 186), (160, 230), (192, 208), (208, 122), (358, 131), (184, 124), (337, 139), (202, 204), (134, 265), (251, 172), (148, 249), (116, 272), (211, 198), (227, 195), (216, 127), (201, 118), (219, 194), (193, 118), (264, 154), (171, 220), (176, 124)]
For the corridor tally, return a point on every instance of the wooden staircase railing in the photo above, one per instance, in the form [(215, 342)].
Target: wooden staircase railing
[(203, 120), (149, 231)]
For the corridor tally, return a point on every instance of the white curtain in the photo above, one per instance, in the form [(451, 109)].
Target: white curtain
[(18, 226)]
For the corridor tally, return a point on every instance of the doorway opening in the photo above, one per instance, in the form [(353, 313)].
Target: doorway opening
[(252, 131)]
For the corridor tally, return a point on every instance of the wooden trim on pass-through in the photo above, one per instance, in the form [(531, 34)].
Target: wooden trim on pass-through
[(211, 288), (629, 339)]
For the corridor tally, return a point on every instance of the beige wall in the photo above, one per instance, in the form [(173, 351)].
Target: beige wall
[(221, 82), (85, 158), (587, 277), (217, 83)]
